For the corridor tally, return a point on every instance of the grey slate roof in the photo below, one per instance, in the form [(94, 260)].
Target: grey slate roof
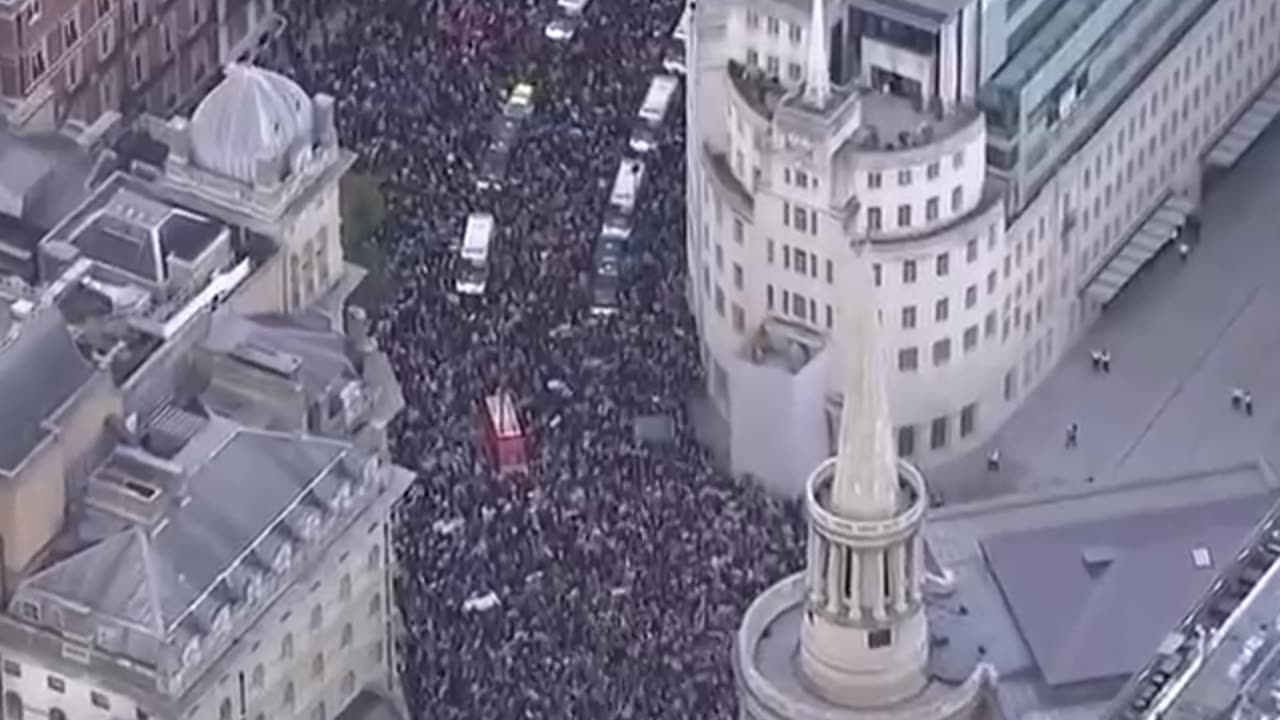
[(367, 705), (244, 487), (323, 352), (39, 371), (1091, 600)]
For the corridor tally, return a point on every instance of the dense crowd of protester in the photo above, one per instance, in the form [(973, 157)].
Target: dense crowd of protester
[(620, 568)]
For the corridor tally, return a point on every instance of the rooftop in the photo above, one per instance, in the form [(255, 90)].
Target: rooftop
[(1181, 335), (1065, 591), (921, 14)]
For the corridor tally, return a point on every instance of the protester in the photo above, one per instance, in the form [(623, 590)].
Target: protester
[(610, 582)]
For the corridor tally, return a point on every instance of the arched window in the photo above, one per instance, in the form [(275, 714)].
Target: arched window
[(258, 675), (13, 707), (288, 694), (344, 587), (347, 634), (375, 604), (57, 714), (317, 665), (224, 709), (320, 713), (286, 646), (348, 683)]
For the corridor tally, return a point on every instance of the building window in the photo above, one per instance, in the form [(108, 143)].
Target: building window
[(942, 351), (166, 38), (375, 604), (739, 318), (135, 13), (957, 160), (908, 272), (957, 199), (286, 646), (344, 587), (70, 30), (938, 433), (970, 296), (941, 310), (906, 441), (56, 684), (931, 209), (348, 684), (738, 230), (317, 665), (137, 69), (289, 694), (800, 262), (931, 171), (12, 668), (968, 419), (874, 180), (801, 220), (224, 710), (908, 359), (904, 177), (104, 7), (874, 219), (1010, 384), (908, 317), (971, 250), (39, 64), (14, 708), (347, 635), (942, 264), (904, 216), (970, 338), (317, 617), (259, 675)]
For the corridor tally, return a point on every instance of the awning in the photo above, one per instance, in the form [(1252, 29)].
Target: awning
[(1247, 128), (1158, 229)]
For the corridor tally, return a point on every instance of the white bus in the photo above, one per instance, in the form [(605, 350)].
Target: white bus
[(626, 186), (677, 46), (654, 108), (683, 26), (473, 270)]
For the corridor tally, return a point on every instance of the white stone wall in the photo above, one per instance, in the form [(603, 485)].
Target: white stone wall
[(39, 692), (1026, 273)]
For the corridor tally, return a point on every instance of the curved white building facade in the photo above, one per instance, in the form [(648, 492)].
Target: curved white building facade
[(985, 275)]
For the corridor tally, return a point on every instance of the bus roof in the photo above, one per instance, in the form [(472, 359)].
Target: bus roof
[(502, 415), (475, 239), (658, 97)]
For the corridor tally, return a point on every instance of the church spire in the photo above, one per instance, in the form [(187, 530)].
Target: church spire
[(818, 80), (866, 475)]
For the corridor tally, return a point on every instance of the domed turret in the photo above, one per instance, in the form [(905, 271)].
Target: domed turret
[(252, 115)]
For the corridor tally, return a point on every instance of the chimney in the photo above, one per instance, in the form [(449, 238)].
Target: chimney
[(268, 173), (357, 332), (178, 136), (326, 130)]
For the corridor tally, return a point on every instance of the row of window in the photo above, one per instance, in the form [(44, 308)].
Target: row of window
[(773, 27), (905, 176), (940, 430), (905, 219)]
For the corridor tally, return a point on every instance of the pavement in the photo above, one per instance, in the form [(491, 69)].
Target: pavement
[(1181, 336)]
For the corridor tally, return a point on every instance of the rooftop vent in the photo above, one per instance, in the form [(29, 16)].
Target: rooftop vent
[(1201, 557), (1097, 558), (263, 358)]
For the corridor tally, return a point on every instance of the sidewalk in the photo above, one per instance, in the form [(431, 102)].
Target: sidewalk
[(1181, 336)]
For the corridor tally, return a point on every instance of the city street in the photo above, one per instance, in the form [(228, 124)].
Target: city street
[(1181, 337)]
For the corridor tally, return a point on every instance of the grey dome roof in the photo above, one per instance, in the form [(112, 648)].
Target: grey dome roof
[(253, 113)]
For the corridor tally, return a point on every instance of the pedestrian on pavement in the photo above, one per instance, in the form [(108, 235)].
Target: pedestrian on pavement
[(1096, 357), (993, 460), (1183, 250), (1105, 359), (1248, 403), (1073, 435), (1237, 398)]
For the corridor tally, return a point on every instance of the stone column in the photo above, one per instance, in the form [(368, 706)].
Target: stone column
[(834, 585), (898, 576), (879, 558)]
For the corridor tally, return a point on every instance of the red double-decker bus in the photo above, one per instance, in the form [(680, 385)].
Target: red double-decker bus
[(502, 436)]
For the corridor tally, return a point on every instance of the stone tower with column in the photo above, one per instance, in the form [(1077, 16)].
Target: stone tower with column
[(848, 636)]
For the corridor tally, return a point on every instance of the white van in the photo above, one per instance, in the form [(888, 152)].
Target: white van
[(626, 185), (652, 110)]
